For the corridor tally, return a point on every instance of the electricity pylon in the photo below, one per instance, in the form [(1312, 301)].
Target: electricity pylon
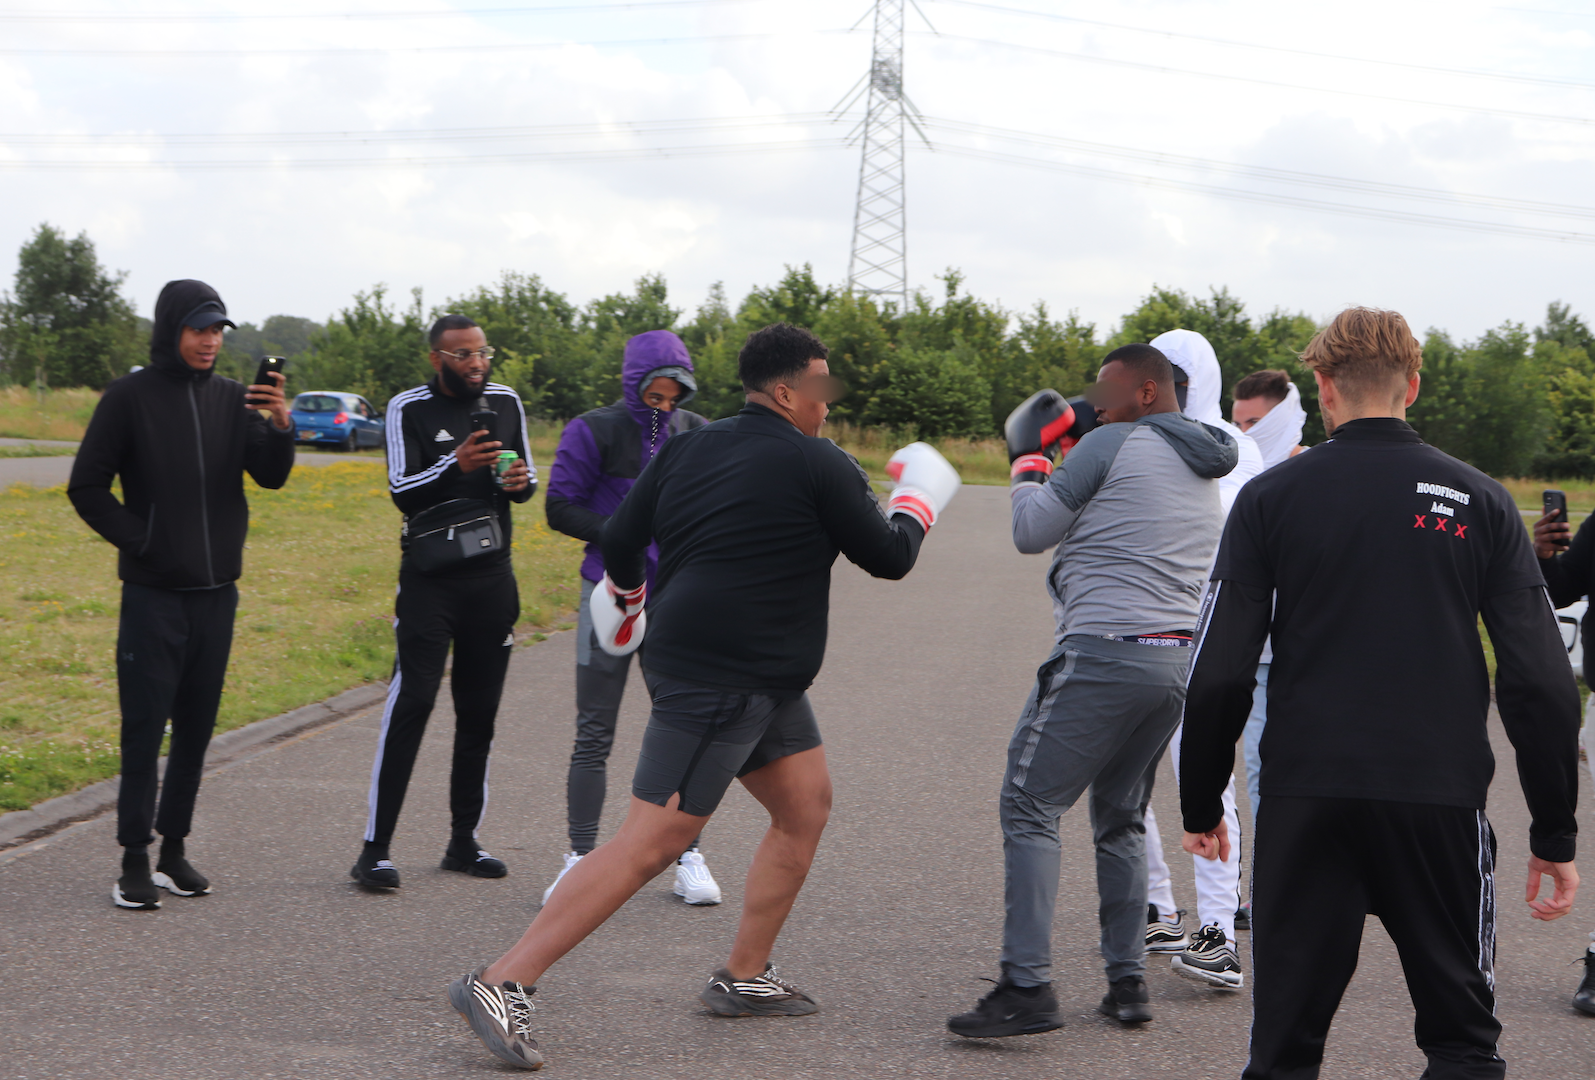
[(878, 263)]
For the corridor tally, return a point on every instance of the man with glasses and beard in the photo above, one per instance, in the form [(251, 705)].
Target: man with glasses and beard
[(456, 586)]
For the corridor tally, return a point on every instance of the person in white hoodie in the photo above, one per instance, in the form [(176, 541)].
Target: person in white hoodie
[(1209, 955), (1268, 408)]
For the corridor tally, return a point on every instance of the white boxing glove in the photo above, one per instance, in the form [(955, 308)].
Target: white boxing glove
[(926, 483), (618, 617)]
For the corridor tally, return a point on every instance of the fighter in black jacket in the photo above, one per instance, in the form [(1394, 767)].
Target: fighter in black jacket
[(1376, 554), (433, 458), (181, 438)]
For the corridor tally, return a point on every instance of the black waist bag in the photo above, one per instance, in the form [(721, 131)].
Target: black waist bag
[(444, 536)]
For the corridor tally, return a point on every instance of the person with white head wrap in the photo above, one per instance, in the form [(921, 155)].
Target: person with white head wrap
[(1209, 956), (1268, 408)]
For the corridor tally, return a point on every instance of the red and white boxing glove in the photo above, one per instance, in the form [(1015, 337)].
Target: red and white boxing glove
[(926, 483), (618, 616), (1030, 469)]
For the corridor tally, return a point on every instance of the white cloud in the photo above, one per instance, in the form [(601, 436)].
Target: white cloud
[(283, 239)]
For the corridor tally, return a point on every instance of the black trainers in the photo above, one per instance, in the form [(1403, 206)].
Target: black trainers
[(374, 870), (1584, 998), (1210, 959), (501, 1016), (1009, 1010), (174, 873), (135, 888), (464, 857), (1243, 917), (1162, 937), (1127, 1001), (763, 995)]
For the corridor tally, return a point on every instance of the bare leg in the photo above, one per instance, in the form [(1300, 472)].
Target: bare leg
[(650, 839), (796, 790)]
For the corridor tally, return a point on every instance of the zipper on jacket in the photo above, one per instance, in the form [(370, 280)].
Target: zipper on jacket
[(204, 509), (149, 532)]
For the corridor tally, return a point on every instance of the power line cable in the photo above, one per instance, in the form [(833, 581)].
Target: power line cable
[(694, 125), (1163, 69), (1230, 42), (1263, 172), (14, 15), (100, 164), (419, 161), (380, 50), (1296, 202)]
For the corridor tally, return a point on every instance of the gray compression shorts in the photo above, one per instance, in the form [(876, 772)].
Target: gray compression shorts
[(699, 739)]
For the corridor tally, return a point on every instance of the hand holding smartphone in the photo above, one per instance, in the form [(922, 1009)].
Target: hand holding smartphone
[(269, 366), (1552, 533)]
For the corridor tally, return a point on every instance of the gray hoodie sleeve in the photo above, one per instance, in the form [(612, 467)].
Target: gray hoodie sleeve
[(1043, 513)]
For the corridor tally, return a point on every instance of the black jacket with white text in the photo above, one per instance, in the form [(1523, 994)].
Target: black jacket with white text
[(1377, 554)]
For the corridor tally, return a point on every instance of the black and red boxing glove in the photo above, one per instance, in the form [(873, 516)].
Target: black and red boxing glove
[(1030, 469), (1045, 425)]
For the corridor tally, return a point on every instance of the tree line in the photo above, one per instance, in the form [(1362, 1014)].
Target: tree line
[(1514, 402)]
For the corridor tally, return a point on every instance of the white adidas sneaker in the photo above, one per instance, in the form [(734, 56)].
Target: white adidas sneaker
[(571, 859), (694, 883)]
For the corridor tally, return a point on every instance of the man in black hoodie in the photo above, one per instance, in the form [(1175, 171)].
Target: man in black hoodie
[(180, 437)]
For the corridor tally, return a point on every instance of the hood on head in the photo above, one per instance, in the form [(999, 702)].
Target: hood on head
[(1208, 451), (646, 354), (177, 301), (1191, 353)]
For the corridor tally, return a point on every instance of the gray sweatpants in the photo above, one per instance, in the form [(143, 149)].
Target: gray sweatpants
[(600, 685), (1100, 715)]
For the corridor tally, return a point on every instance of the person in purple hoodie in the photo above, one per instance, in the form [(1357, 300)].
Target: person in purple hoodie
[(601, 453)]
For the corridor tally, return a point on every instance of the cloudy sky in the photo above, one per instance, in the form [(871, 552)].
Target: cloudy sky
[(1435, 158)]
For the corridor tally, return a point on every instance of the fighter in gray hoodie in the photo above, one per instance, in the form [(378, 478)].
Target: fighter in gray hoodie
[(1134, 511)]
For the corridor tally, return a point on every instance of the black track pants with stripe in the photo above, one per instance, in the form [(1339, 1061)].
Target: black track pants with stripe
[(477, 615), (1320, 867)]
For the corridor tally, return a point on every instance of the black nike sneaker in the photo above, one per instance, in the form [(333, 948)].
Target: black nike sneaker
[(135, 888), (1127, 1001), (1584, 998), (1210, 959), (374, 869), (174, 873), (763, 995), (1162, 937), (501, 1016), (464, 857), (1009, 1010)]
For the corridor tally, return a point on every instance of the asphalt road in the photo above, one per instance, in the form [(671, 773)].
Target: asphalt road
[(51, 471), (290, 971)]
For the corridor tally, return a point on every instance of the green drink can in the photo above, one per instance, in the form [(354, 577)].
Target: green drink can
[(506, 458)]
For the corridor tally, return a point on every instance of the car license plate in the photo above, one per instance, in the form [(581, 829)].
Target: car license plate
[(307, 435)]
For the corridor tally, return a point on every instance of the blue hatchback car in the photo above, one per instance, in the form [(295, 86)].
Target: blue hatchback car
[(336, 419)]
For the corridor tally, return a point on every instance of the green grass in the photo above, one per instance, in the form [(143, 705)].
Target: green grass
[(314, 617), (57, 414)]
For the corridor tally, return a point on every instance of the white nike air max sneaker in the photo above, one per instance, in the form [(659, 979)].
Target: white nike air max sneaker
[(694, 883), (571, 859)]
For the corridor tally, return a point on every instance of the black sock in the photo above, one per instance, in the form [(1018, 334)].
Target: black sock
[(171, 849), (463, 847), (136, 859), (1029, 991), (377, 852)]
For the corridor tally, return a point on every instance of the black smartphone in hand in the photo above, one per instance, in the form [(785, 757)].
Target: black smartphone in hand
[(268, 366), (1556, 503), (485, 420)]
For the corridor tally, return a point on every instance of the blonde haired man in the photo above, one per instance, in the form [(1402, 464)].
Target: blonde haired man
[(1370, 561)]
